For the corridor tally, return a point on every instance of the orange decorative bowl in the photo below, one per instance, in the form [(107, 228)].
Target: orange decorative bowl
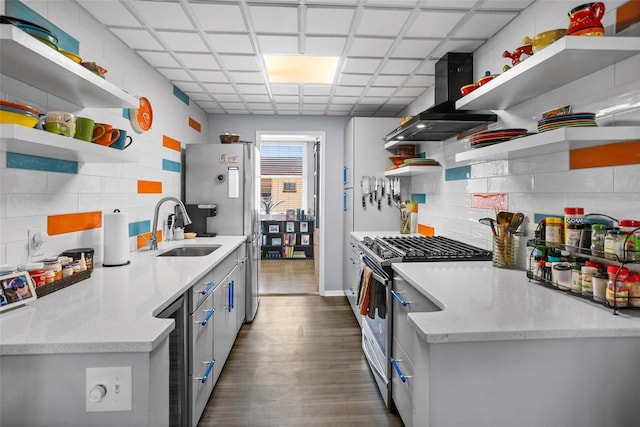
[(398, 160)]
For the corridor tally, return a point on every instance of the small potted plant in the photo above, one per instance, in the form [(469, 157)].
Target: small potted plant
[(268, 204)]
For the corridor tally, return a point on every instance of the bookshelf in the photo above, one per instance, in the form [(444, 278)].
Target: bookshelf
[(287, 239)]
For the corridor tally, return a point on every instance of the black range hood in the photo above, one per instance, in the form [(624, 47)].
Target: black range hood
[(443, 121)]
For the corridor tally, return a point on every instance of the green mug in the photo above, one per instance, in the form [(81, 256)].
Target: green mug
[(84, 129)]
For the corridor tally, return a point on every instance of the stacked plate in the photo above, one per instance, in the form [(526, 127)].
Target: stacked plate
[(567, 120), (18, 114), (490, 137), (419, 161), (43, 34)]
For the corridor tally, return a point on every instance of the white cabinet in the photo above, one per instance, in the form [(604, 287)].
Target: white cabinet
[(26, 59), (201, 366), (352, 274), (240, 285), (225, 322)]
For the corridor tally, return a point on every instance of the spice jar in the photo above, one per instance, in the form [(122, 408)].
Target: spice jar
[(573, 220), (613, 245), (587, 271), (599, 285), (633, 283), (554, 231), (561, 275), (67, 270), (598, 234), (572, 235), (617, 291), (632, 236), (52, 264), (37, 272)]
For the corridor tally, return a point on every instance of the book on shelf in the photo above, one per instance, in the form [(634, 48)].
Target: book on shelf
[(299, 254), (290, 239)]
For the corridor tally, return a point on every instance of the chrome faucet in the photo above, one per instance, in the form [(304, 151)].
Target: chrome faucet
[(153, 242)]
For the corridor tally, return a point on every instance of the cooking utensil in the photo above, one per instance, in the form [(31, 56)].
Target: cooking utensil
[(370, 192), (515, 222), (491, 223)]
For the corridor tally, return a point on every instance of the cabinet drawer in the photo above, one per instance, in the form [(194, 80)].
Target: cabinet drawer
[(201, 291), (200, 391), (402, 391), (413, 302), (221, 270), (201, 335)]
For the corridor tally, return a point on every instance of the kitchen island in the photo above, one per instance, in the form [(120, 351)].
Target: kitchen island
[(494, 350), (108, 320)]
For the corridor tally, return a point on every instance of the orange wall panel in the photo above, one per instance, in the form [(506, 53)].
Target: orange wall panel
[(69, 223), (170, 143), (194, 124), (627, 15), (425, 230), (621, 153), (147, 187), (141, 242)]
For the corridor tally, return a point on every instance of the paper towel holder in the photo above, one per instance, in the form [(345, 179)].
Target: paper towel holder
[(117, 265)]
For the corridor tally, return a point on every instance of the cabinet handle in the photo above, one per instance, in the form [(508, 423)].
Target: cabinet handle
[(203, 379), (233, 294), (396, 367), (352, 291), (399, 298), (344, 175), (206, 319), (344, 201), (206, 289)]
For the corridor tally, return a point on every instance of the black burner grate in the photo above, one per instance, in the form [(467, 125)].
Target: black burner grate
[(437, 248)]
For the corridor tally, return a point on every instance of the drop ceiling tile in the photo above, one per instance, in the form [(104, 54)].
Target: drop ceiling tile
[(313, 107), (484, 25), (219, 17), (159, 59), (111, 13), (361, 65), (448, 4), (457, 46), (315, 99), (278, 45), (380, 91), (274, 19), (370, 47), (257, 98), (388, 3), (373, 100), (329, 20), (233, 106), (428, 67), (507, 4), (354, 79), (345, 99), (401, 100), (163, 15), (203, 61), (182, 42), (219, 88), (410, 48), (210, 76), (379, 22), (324, 46), (285, 89), (389, 80), (188, 86), (252, 89), (340, 107), (246, 77), (290, 99), (316, 90), (349, 90), (226, 97), (198, 96), (434, 24), (208, 104), (400, 66), (175, 74), (393, 109), (421, 81), (137, 39), (231, 43), (410, 91), (365, 108), (260, 106), (240, 62)]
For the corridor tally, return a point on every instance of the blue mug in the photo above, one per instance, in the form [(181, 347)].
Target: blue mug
[(123, 141)]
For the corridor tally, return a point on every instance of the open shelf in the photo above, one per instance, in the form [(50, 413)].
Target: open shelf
[(413, 170), (553, 141), (394, 144), (26, 59), (562, 62), (35, 142)]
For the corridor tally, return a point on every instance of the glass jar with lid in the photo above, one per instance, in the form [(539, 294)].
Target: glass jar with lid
[(631, 248), (53, 265), (613, 245), (553, 231), (598, 234), (617, 291), (633, 283)]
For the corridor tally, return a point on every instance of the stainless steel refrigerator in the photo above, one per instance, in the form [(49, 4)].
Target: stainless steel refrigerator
[(222, 184)]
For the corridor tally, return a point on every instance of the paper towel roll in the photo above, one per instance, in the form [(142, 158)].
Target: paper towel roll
[(116, 239)]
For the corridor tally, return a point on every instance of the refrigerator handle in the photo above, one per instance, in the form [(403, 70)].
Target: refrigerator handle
[(345, 179), (344, 201)]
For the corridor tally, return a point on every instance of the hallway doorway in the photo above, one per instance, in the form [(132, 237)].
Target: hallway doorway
[(287, 277)]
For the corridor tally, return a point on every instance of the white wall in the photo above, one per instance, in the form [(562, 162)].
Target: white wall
[(540, 184), (331, 217), (27, 197)]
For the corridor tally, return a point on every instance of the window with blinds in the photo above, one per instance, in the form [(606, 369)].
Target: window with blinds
[(282, 175)]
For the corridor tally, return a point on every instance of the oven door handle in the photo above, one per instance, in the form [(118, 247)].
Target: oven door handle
[(378, 274), (397, 296)]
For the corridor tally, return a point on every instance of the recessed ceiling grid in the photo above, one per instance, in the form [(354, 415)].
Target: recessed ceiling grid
[(213, 50)]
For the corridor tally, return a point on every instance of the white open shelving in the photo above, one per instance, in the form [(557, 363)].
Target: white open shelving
[(395, 143), (564, 61), (554, 141), (26, 59), (413, 170), (35, 142)]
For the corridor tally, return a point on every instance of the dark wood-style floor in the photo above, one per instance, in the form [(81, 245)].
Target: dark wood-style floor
[(299, 363), (287, 277)]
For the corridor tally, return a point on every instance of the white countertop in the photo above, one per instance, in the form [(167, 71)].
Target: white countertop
[(483, 303), (113, 310)]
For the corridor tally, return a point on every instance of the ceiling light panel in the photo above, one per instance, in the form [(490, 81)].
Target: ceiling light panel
[(163, 15), (301, 68), (381, 22), (219, 17), (329, 21), (182, 42), (274, 20), (231, 43)]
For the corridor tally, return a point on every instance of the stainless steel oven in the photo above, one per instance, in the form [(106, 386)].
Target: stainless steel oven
[(378, 254)]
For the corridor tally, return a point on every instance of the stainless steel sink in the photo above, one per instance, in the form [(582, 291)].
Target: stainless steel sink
[(191, 250)]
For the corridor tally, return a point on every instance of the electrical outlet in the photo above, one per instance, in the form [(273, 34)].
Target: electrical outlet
[(37, 239), (108, 389)]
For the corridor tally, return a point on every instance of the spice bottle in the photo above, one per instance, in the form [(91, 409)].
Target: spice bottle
[(598, 234), (572, 235), (617, 290), (632, 236), (52, 264), (613, 245), (633, 284), (573, 219), (553, 231), (599, 285), (587, 271)]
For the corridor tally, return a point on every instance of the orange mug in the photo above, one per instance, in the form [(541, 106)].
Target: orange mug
[(109, 134)]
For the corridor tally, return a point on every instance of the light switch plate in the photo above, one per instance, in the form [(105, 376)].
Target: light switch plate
[(108, 389)]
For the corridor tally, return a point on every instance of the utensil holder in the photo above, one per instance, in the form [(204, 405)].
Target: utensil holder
[(504, 251), (405, 222)]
